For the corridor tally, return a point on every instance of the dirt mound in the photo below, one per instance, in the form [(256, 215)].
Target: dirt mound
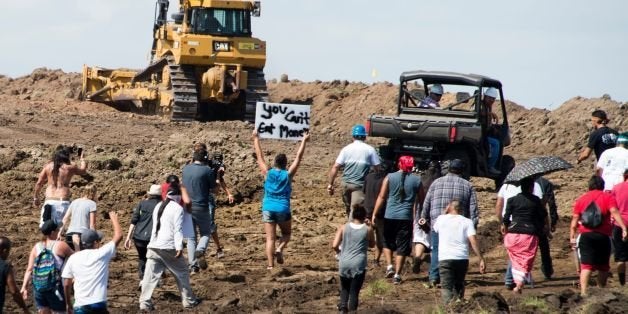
[(128, 152)]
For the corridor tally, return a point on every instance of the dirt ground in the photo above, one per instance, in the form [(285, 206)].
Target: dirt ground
[(127, 152)]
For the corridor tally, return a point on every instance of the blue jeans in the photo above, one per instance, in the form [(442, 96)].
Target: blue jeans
[(434, 275), (52, 299), (493, 153), (201, 219), (508, 277)]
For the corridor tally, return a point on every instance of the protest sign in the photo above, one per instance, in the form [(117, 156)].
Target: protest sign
[(282, 121)]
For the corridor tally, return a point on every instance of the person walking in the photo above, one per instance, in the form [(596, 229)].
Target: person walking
[(524, 221), (198, 182), (356, 159), (141, 227), (7, 277), (355, 237), (613, 162), (593, 242), (549, 201), (399, 192), (81, 215), (620, 193), (442, 191), (56, 175), (455, 233), (86, 273), (505, 193), (276, 201), (421, 231), (45, 262), (372, 186), (218, 166), (165, 250), (188, 223), (601, 139)]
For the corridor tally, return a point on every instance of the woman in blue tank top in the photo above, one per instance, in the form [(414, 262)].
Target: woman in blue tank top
[(276, 201)]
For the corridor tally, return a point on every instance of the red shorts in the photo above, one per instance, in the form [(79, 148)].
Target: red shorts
[(595, 267)]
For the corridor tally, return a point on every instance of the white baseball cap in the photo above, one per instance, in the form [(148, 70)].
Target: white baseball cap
[(436, 89), (491, 92)]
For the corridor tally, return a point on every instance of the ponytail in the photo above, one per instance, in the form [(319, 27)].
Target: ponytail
[(160, 212), (402, 188)]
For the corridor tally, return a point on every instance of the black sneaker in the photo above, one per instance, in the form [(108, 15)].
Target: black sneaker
[(510, 286), (200, 258)]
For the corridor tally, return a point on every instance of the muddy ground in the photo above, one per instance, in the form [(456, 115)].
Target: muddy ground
[(127, 152)]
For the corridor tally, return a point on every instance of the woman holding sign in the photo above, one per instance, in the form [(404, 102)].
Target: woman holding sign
[(276, 202)]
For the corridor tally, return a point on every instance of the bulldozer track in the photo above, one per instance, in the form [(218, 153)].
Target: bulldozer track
[(256, 91), (184, 91)]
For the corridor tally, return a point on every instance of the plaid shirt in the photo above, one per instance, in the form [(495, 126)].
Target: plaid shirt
[(446, 189), (428, 102)]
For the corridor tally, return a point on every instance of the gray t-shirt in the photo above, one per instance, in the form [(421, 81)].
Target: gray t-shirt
[(80, 209), (352, 259), (396, 207)]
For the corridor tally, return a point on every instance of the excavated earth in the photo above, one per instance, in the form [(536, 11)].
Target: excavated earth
[(127, 152)]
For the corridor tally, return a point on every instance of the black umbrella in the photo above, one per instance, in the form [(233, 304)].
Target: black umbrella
[(536, 166)]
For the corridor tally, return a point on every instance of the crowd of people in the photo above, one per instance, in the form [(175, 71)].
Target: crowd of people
[(388, 206)]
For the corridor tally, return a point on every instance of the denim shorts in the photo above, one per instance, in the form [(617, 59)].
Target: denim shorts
[(275, 217), (52, 299)]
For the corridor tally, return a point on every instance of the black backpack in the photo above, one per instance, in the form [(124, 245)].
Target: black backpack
[(591, 217)]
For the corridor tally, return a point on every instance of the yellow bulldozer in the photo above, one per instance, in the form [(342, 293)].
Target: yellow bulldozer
[(205, 65)]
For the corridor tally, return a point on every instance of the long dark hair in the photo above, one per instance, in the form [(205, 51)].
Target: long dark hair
[(60, 158), (174, 189)]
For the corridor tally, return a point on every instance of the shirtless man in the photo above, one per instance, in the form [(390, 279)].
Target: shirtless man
[(57, 174)]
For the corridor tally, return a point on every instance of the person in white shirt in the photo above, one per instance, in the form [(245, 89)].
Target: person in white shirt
[(455, 233), (86, 273), (613, 162), (165, 250)]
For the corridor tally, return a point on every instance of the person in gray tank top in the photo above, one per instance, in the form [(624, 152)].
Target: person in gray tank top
[(399, 191), (355, 237)]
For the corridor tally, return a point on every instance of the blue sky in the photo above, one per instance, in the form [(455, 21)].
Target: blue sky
[(544, 52)]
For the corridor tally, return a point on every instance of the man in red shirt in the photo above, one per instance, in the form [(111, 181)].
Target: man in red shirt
[(593, 244), (620, 192)]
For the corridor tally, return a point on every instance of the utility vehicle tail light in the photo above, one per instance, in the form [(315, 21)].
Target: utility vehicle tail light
[(453, 131), (368, 126)]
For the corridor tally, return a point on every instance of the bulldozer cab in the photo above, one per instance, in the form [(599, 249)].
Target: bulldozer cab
[(220, 22)]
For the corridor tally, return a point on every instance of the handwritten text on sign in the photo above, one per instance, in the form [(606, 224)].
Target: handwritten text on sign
[(282, 121)]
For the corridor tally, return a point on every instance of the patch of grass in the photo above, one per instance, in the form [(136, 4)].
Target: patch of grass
[(379, 287), (539, 304)]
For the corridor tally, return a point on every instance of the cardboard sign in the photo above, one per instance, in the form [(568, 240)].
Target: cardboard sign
[(282, 121)]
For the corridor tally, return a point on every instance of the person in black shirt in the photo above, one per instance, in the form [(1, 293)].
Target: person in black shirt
[(601, 139), (142, 226), (524, 221), (550, 201), (371, 188), (7, 277)]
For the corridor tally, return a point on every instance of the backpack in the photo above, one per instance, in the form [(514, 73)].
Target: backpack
[(45, 273), (591, 217)]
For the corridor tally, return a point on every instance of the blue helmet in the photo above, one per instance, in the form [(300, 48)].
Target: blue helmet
[(358, 130)]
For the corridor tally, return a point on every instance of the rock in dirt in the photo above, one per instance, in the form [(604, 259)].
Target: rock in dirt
[(235, 277)]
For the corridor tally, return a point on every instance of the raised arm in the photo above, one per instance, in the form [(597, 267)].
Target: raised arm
[(263, 167), (297, 160), (82, 167), (117, 230)]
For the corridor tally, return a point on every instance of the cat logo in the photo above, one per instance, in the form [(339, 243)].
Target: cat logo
[(222, 46)]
